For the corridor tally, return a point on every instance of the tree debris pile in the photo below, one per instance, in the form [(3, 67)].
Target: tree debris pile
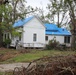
[(57, 65)]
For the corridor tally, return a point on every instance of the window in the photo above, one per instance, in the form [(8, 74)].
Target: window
[(66, 39), (8, 36), (46, 38), (5, 36), (34, 37)]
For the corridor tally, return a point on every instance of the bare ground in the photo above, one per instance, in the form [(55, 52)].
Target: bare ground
[(10, 67)]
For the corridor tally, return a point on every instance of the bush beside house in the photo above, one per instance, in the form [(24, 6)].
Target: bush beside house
[(52, 44), (7, 43)]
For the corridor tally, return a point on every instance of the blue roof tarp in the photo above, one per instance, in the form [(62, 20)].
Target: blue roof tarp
[(22, 22), (52, 29), (51, 26)]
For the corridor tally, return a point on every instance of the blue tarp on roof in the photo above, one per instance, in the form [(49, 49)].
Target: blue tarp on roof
[(51, 26), (22, 22), (52, 29)]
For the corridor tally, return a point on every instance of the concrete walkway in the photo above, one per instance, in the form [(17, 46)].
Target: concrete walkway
[(10, 67)]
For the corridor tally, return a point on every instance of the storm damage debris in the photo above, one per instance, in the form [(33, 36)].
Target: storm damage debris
[(54, 65)]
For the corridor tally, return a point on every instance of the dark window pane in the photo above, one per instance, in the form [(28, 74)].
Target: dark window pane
[(8, 35), (46, 38), (5, 36), (34, 37), (66, 39)]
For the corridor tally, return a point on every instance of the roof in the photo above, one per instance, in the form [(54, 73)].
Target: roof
[(22, 21), (51, 26), (52, 29)]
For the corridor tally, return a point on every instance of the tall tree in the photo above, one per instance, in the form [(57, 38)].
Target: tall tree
[(71, 6), (9, 13), (2, 9), (67, 7), (57, 12)]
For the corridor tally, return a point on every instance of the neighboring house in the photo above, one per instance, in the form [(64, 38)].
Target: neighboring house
[(60, 34), (32, 32)]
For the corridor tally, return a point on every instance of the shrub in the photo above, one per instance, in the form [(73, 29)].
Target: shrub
[(52, 44), (48, 47), (7, 42)]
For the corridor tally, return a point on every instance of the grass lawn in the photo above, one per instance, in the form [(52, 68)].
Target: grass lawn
[(17, 56), (6, 73)]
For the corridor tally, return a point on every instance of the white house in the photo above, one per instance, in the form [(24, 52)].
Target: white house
[(35, 34), (62, 35), (32, 32)]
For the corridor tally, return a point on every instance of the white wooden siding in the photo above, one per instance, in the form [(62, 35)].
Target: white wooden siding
[(58, 38), (33, 27)]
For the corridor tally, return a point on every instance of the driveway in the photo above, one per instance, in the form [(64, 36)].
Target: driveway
[(10, 67)]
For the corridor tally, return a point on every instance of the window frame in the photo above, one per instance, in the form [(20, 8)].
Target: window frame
[(66, 39), (46, 38), (34, 37)]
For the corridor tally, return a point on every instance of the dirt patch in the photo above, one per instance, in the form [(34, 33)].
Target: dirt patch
[(8, 55), (1, 48), (10, 67), (24, 51)]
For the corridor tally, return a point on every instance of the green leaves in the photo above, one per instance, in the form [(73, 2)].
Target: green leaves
[(5, 18), (16, 33)]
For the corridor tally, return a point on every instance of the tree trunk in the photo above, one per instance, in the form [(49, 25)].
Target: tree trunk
[(1, 39), (73, 22), (73, 32), (73, 42), (1, 34), (58, 19)]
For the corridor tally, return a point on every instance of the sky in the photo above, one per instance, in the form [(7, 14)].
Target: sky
[(37, 3)]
